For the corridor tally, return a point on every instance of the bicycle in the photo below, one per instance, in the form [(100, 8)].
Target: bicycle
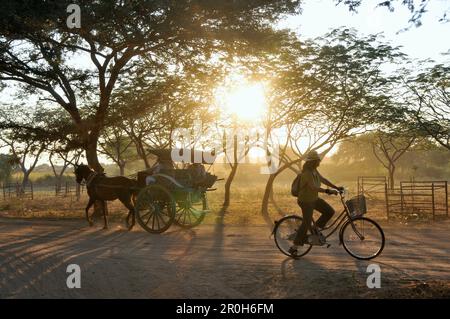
[(360, 236)]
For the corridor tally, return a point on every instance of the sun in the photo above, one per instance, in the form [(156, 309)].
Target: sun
[(246, 101)]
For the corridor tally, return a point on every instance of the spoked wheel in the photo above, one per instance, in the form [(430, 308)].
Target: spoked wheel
[(155, 209), (362, 238), (284, 234), (191, 212)]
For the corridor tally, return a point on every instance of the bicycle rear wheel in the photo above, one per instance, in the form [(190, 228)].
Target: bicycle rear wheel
[(284, 234), (362, 238)]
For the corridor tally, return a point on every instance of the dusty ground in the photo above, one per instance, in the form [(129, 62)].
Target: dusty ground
[(210, 262)]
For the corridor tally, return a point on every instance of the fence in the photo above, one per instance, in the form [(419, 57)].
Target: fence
[(417, 199), (10, 190), (30, 191), (69, 190), (371, 186)]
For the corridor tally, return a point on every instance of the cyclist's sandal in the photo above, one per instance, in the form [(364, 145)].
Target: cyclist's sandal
[(293, 251)]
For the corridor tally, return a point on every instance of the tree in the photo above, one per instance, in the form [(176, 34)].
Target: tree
[(388, 148), (66, 157), (37, 47), (355, 157), (149, 108), (115, 144), (25, 146), (328, 89), (30, 131), (428, 99), (234, 154), (25, 153), (7, 166)]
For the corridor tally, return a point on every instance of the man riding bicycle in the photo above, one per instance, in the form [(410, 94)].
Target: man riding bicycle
[(309, 200)]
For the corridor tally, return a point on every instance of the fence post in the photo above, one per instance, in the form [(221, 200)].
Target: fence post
[(446, 198), (32, 191), (78, 192), (401, 198), (387, 200), (432, 200)]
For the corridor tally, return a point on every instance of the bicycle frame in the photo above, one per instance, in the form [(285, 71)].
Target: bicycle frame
[(339, 221)]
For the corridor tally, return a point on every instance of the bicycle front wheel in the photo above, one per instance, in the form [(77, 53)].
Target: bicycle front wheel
[(284, 234), (362, 238)]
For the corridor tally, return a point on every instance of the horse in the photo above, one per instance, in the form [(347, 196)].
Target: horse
[(102, 188)]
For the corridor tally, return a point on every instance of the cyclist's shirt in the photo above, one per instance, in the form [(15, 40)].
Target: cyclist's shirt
[(306, 194)]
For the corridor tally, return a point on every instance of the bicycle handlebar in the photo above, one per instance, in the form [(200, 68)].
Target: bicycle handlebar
[(341, 192)]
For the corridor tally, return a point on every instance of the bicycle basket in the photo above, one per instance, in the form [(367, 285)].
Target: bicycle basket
[(357, 205)]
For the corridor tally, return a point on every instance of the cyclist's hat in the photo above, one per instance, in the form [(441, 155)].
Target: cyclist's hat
[(312, 156)]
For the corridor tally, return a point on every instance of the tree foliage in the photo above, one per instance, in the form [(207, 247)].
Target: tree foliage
[(39, 51), (7, 167), (428, 98), (417, 8)]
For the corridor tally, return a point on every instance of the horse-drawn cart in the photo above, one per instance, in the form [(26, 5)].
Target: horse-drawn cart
[(170, 195)]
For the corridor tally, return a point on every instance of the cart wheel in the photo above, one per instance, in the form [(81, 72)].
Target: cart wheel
[(189, 213), (155, 209)]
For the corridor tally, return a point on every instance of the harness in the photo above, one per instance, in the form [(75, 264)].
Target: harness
[(89, 181), (90, 178)]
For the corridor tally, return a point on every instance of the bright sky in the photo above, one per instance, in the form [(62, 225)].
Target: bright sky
[(428, 41)]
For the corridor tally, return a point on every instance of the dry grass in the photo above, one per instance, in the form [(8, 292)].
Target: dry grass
[(245, 208)]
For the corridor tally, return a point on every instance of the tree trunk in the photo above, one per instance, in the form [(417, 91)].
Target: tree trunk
[(141, 152), (91, 154), (59, 178), (391, 176), (121, 168), (269, 189), (58, 184), (226, 200), (92, 159), (234, 166), (265, 201), (25, 180)]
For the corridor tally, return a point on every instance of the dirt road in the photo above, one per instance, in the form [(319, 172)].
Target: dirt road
[(210, 262)]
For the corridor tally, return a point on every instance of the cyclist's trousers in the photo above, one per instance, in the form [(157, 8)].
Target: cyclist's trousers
[(307, 210)]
